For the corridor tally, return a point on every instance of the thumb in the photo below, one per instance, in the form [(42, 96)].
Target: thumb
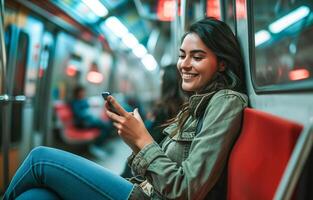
[(137, 115)]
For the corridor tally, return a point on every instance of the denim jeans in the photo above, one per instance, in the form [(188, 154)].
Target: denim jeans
[(38, 194), (54, 173)]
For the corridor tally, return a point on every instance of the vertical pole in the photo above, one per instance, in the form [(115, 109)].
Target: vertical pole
[(183, 8), (4, 99)]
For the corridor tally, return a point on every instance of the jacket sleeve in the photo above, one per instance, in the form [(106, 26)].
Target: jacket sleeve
[(208, 154)]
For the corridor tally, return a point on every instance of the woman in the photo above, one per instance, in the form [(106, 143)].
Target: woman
[(191, 161)]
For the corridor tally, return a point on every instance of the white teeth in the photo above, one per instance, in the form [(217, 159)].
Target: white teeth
[(188, 76)]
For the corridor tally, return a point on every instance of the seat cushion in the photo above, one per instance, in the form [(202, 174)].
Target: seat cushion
[(72, 134)]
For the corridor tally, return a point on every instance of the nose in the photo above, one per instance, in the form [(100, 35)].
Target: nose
[(185, 63)]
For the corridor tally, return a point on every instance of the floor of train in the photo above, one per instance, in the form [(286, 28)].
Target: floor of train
[(114, 149)]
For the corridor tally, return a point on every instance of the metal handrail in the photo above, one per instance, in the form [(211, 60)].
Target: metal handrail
[(4, 100), (2, 51)]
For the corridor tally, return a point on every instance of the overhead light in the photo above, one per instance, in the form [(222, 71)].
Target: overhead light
[(149, 62), (85, 12), (94, 77), (289, 19), (261, 37), (139, 51), (130, 40), (116, 26), (97, 7)]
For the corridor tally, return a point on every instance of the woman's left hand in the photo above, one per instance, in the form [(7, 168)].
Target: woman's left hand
[(130, 126)]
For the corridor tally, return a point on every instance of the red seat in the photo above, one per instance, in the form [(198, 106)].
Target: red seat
[(260, 155), (70, 133)]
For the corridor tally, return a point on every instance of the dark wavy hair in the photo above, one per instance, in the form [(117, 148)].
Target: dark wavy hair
[(170, 102), (171, 94)]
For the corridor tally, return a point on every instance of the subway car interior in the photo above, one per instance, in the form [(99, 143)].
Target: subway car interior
[(49, 47)]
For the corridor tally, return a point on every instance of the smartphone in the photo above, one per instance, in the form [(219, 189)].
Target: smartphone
[(105, 96)]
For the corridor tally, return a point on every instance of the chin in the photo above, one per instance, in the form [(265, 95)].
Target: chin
[(190, 87), (187, 89)]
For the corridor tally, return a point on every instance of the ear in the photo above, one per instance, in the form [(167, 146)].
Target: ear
[(221, 66)]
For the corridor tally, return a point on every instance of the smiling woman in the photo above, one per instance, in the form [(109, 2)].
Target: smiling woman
[(190, 163), (197, 63)]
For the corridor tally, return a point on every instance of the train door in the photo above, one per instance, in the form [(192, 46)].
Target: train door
[(22, 37), (15, 43), (42, 98)]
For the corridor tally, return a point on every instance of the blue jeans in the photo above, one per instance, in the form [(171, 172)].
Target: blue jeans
[(54, 174)]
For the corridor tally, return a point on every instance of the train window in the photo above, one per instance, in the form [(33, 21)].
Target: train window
[(283, 44)]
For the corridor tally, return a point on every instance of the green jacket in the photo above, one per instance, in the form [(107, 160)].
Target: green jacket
[(188, 166)]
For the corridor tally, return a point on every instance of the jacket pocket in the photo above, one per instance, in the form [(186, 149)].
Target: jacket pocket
[(182, 144)]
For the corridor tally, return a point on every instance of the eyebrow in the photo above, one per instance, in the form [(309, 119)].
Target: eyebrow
[(194, 51)]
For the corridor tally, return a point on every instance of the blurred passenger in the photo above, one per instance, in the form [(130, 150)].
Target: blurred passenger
[(84, 118), (167, 107), (191, 161)]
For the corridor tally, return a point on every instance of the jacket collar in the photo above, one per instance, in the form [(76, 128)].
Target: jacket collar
[(197, 106), (198, 103)]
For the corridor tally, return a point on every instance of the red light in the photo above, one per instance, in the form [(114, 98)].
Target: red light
[(71, 70), (94, 77), (213, 9), (41, 71), (101, 38), (299, 74), (166, 10), (241, 8)]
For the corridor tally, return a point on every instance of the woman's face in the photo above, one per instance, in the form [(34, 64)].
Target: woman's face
[(197, 63)]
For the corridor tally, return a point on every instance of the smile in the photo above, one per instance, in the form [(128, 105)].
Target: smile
[(188, 76)]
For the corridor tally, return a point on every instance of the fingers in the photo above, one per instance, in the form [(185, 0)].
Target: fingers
[(117, 126), (107, 106), (117, 106), (114, 117)]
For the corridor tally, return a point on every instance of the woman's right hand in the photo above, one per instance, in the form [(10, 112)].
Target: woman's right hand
[(130, 126)]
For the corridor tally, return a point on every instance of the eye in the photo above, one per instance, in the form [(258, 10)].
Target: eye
[(181, 56), (197, 58)]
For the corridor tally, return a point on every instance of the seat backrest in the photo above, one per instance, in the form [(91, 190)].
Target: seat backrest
[(64, 113), (70, 134), (260, 155)]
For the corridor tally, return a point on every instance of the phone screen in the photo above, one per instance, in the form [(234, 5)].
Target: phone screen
[(105, 95)]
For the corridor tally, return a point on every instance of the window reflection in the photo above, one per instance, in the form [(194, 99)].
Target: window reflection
[(283, 41)]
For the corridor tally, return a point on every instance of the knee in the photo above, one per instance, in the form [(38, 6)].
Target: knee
[(38, 193), (39, 151)]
